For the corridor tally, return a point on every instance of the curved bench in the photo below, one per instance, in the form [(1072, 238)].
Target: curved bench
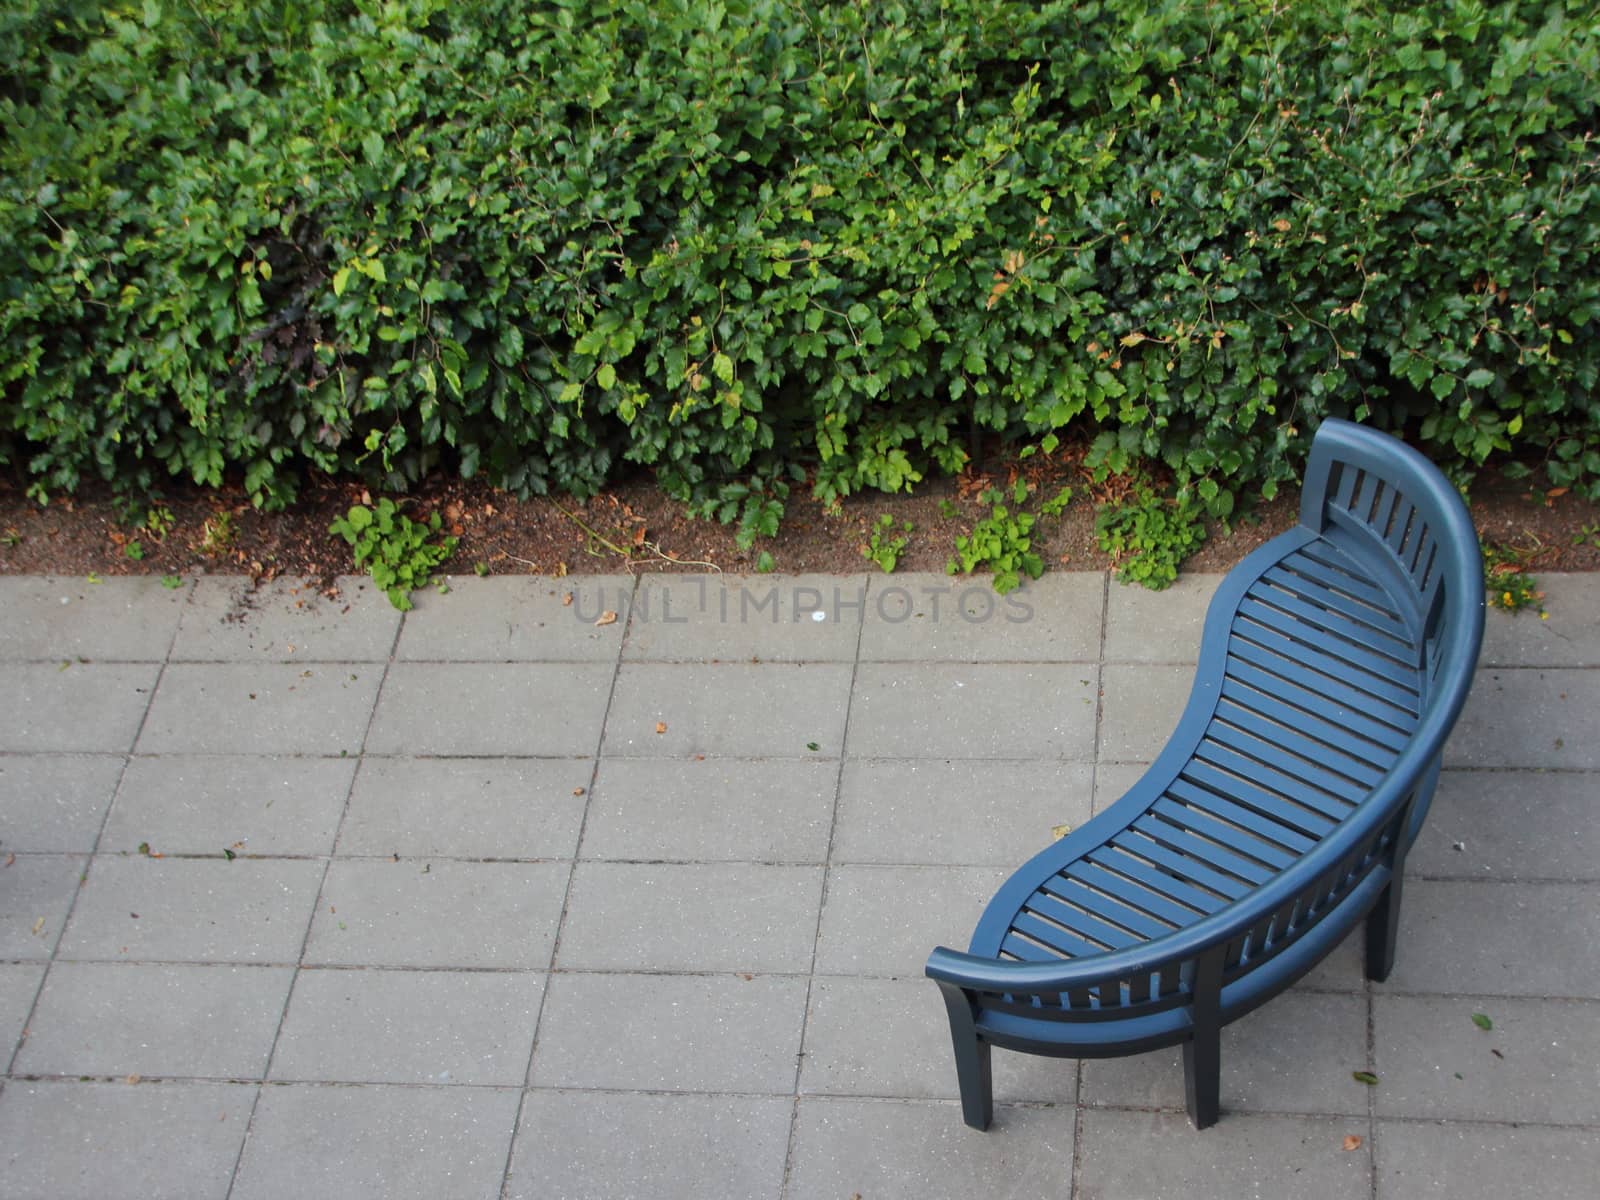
[(1334, 662)]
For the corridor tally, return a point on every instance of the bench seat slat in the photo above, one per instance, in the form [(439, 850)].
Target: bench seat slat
[(1350, 657), (1308, 581), (1265, 722), (1131, 895), (1364, 741), (1289, 762), (1202, 852), (1387, 648), (1331, 569), (1077, 923), (1290, 786), (1110, 858), (1182, 868), (1109, 907), (1298, 812), (1052, 937), (1335, 702), (1315, 670), (1208, 825), (1274, 829)]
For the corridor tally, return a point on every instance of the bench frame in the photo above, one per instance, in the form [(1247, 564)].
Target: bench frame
[(1373, 500)]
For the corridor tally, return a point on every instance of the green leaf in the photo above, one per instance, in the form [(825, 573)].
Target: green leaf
[(1366, 1077), (722, 368), (1481, 378), (1482, 1021), (606, 376), (341, 280)]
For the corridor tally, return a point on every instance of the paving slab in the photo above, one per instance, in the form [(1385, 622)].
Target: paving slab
[(19, 985), (377, 1143), (1292, 1055), (890, 1037), (36, 893), (1536, 1063), (121, 1141), (135, 909), (733, 618), (261, 708), (55, 801), (1498, 939), (1527, 717), (271, 805), (422, 1027), (638, 1146), (438, 913), (228, 619), (518, 619), (751, 810), (492, 709), (1511, 825), (166, 1019), (1141, 704), (72, 706), (1485, 1162), (740, 710), (1158, 1155), (982, 710), (1158, 627), (1568, 637), (693, 1033), (749, 917), (883, 921), (935, 618), (466, 807), (50, 618), (966, 812), (855, 1147)]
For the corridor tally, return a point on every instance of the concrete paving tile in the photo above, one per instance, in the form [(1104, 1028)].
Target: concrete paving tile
[(1158, 1155), (891, 1037), (1511, 825), (229, 619), (691, 917), (377, 1143), (19, 984), (934, 618), (733, 618), (1112, 781), (689, 1033), (1343, 970), (850, 1147), (515, 618), (1536, 1064), (440, 1027), (1292, 1055), (1485, 1162), (1568, 637), (741, 710), (55, 801), (1498, 939), (1165, 626), (983, 710), (199, 805), (627, 1146), (108, 1141), (50, 618), (751, 810), (36, 892), (494, 709), (885, 920), (1528, 718), (193, 910), (261, 708), (438, 913), (73, 706), (938, 811), (1141, 704), (166, 1019), (466, 807)]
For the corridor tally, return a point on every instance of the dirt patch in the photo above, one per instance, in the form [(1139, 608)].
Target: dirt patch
[(634, 527)]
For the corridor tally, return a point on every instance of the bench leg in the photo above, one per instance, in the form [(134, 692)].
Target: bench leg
[(1202, 1077), (1383, 928), (972, 1060)]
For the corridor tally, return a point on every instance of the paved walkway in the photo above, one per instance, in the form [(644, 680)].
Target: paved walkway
[(506, 897)]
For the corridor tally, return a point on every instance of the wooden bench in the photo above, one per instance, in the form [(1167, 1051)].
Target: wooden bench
[(1334, 662)]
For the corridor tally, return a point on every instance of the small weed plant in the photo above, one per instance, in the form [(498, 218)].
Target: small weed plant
[(400, 554), (1002, 541), (1509, 585), (1149, 538), (886, 546)]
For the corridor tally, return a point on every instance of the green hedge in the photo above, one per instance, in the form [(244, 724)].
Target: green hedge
[(749, 242)]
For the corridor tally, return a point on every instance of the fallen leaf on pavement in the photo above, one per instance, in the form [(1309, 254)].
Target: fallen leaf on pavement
[(606, 618), (1352, 1142), (661, 726)]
